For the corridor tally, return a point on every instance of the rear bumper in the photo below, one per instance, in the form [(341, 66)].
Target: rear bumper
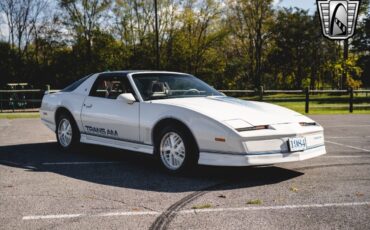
[(222, 159)]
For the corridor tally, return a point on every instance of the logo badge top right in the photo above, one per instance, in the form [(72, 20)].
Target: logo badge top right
[(338, 18)]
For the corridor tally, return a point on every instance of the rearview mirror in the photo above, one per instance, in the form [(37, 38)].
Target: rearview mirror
[(127, 97)]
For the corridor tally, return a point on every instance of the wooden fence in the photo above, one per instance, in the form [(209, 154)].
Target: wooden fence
[(30, 99)]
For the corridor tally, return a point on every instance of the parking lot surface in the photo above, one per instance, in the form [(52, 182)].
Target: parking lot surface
[(43, 187)]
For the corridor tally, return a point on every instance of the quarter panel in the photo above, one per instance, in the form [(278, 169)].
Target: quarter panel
[(47, 110), (51, 103), (73, 102)]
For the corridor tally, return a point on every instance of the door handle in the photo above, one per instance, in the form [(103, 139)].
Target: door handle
[(88, 106)]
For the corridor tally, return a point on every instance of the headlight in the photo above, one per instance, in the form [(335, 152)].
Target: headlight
[(243, 126), (252, 128)]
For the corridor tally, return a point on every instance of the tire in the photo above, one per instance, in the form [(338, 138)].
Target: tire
[(182, 152), (68, 134)]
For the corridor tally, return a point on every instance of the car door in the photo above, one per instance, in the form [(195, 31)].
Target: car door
[(103, 115)]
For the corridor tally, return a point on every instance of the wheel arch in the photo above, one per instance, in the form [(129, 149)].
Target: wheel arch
[(76, 133), (171, 121), (62, 110)]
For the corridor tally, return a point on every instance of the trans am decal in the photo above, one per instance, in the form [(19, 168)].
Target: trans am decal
[(102, 131)]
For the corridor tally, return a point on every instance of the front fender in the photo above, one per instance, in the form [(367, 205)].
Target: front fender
[(204, 129)]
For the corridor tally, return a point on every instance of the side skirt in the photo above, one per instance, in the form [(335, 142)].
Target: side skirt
[(89, 139)]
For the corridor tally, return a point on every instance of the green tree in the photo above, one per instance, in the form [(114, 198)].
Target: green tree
[(251, 21), (293, 34), (364, 7), (83, 17), (361, 46)]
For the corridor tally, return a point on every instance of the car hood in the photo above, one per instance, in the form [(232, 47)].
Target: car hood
[(227, 108)]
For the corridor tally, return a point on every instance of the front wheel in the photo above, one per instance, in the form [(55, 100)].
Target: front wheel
[(176, 149), (68, 135)]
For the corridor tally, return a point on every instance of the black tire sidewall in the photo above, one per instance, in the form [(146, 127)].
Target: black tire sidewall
[(191, 150), (75, 132)]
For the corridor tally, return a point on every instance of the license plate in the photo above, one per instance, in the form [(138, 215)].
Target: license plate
[(297, 144)]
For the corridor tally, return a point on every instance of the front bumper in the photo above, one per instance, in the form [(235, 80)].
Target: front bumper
[(224, 159)]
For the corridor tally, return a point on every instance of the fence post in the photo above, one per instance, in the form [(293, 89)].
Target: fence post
[(261, 93), (14, 103), (47, 88), (350, 99), (307, 106), (1, 102)]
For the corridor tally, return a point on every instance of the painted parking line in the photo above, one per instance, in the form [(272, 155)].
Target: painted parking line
[(81, 163), (348, 146), (346, 126), (194, 211), (347, 156), (137, 213), (109, 214), (62, 216), (349, 137)]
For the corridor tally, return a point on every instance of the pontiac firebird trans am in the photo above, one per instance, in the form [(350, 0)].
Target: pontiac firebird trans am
[(179, 119)]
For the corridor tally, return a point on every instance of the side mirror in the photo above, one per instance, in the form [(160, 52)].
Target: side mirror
[(127, 97)]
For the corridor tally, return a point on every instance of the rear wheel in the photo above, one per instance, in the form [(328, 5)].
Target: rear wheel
[(67, 133), (176, 149)]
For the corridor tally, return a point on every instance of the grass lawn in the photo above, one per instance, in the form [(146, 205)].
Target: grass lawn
[(327, 108), (319, 103), (19, 115)]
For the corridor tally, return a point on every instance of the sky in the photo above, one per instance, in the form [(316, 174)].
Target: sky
[(3, 28), (304, 4)]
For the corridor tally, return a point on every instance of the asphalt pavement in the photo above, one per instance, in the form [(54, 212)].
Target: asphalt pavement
[(43, 187)]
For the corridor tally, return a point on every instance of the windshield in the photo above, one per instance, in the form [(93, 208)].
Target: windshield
[(161, 86)]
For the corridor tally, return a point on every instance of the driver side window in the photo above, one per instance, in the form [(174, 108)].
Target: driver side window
[(110, 87)]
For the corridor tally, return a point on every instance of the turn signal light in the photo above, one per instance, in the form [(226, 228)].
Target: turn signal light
[(220, 139)]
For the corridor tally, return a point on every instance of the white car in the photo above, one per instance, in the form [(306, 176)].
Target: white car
[(179, 119)]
